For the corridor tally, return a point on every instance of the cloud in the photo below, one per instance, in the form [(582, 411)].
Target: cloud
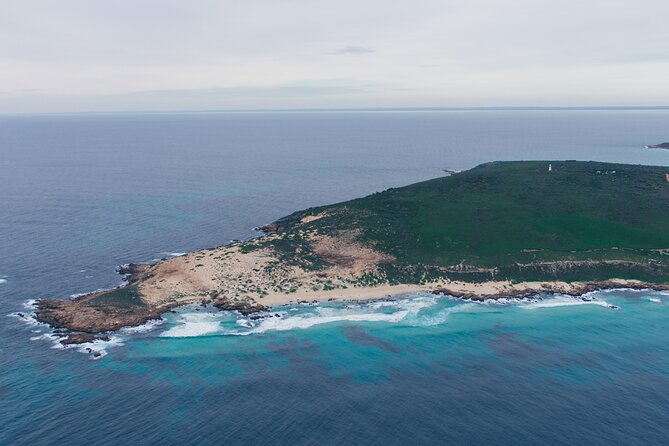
[(351, 49), (83, 55)]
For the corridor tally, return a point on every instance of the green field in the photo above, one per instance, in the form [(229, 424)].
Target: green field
[(511, 220)]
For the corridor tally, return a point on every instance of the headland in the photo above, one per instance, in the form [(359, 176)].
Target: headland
[(502, 229)]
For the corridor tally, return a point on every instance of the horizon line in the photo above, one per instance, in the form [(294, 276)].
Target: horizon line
[(355, 109)]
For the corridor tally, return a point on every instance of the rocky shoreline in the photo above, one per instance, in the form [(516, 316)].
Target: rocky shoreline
[(77, 323), (81, 320), (412, 239), (577, 290)]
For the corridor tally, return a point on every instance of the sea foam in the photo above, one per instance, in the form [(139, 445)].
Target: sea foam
[(174, 254), (442, 316), (195, 324), (306, 321), (404, 310), (565, 301), (98, 348), (144, 328)]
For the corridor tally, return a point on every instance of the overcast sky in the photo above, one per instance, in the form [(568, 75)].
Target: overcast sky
[(117, 55)]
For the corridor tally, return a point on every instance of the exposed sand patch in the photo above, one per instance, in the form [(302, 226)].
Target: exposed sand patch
[(259, 274), (344, 252), (310, 218), (224, 270)]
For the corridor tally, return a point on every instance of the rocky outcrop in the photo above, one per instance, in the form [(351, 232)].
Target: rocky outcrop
[(574, 289), (82, 338), (270, 228), (244, 306), (132, 272), (86, 319), (612, 284), (515, 294), (80, 316)]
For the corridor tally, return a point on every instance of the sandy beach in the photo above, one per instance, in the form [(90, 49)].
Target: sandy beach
[(260, 276)]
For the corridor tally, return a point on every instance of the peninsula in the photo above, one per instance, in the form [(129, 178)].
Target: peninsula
[(663, 145), (502, 229)]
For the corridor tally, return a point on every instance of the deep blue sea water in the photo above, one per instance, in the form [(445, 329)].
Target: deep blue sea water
[(82, 194)]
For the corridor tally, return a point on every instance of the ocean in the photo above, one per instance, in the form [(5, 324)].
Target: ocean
[(82, 194)]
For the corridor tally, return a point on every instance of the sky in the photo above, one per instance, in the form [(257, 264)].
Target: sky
[(164, 55)]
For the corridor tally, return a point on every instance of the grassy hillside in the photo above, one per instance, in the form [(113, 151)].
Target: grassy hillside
[(579, 221)]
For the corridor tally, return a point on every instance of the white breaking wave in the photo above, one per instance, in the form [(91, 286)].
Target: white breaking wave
[(412, 304), (174, 254), (207, 324), (144, 328), (245, 323), (77, 295), (98, 348), (443, 315), (195, 324), (406, 310), (3, 280), (306, 321), (48, 337), (565, 301), (29, 319)]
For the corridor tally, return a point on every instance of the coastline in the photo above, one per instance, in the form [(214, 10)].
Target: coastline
[(464, 290), (419, 238), (76, 323)]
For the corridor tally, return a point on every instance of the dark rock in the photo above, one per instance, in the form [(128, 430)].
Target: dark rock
[(82, 338), (270, 228), (132, 272), (578, 292), (245, 307), (78, 316)]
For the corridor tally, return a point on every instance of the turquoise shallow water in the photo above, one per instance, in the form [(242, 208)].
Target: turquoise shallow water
[(81, 195), (413, 368)]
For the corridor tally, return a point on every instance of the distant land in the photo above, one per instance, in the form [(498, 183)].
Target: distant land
[(502, 229), (663, 145)]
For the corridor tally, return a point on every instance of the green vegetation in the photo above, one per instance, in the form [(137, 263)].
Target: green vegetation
[(509, 220), (124, 297)]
